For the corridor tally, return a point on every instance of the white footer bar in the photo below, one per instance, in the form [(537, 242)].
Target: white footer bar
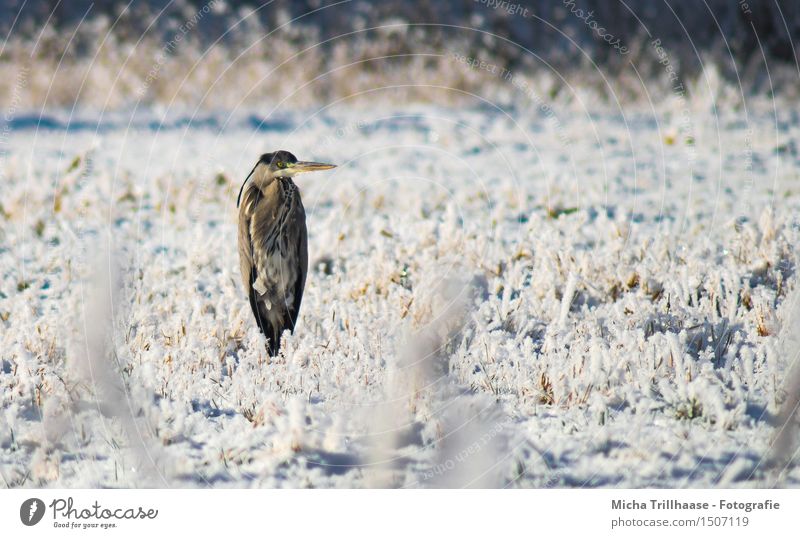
[(380, 513)]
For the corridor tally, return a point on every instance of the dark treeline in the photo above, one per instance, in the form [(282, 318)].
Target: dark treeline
[(741, 38)]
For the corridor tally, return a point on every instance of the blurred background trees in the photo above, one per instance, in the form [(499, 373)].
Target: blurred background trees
[(748, 43)]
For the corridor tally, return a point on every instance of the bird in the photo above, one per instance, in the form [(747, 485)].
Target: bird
[(273, 242)]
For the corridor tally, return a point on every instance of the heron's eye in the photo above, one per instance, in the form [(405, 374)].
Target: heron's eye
[(281, 164)]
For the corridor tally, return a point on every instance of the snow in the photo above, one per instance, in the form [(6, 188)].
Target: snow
[(494, 299)]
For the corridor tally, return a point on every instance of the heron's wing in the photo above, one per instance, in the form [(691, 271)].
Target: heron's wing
[(245, 244), (302, 253), (246, 264)]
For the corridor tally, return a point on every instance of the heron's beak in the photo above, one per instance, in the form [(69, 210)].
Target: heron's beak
[(308, 166)]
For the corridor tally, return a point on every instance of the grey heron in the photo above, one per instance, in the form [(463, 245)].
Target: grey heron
[(273, 242)]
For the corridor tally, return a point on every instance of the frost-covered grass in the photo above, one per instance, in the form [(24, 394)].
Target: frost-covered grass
[(493, 300)]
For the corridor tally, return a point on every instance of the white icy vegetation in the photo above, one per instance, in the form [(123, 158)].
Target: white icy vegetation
[(493, 300)]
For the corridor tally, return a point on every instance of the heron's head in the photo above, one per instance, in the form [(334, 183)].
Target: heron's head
[(283, 164), (277, 164)]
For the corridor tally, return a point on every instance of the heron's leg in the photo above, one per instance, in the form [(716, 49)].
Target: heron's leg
[(273, 339)]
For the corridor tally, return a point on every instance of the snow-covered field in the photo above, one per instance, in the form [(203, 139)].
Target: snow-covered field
[(495, 299)]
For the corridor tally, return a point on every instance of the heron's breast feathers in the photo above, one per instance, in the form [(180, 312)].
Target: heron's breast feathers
[(274, 228)]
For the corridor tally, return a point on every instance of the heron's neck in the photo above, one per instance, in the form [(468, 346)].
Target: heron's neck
[(287, 189)]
